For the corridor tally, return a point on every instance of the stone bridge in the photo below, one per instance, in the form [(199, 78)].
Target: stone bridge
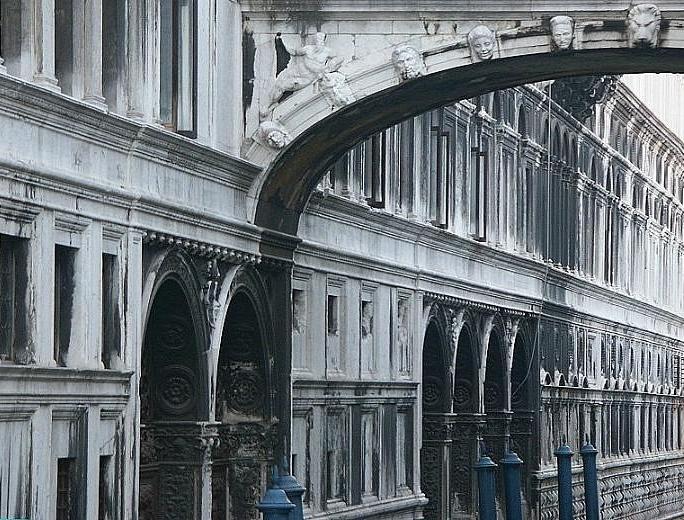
[(373, 64)]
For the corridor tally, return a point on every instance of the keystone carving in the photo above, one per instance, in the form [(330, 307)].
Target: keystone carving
[(562, 32), (273, 135), (336, 90), (308, 64), (482, 43), (408, 62), (643, 25)]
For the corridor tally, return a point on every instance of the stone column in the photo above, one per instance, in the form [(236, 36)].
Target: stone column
[(177, 479), (435, 466), (87, 37)]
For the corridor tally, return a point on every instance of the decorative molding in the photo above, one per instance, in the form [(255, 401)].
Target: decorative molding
[(202, 249)]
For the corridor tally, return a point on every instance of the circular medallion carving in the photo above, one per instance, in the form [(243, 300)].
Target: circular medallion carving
[(432, 393), (247, 391), (463, 393), (173, 335), (176, 393), (492, 395)]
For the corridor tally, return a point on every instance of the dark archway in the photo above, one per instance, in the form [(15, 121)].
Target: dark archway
[(171, 398), (434, 453), (522, 405), (468, 422), (244, 406), (287, 185)]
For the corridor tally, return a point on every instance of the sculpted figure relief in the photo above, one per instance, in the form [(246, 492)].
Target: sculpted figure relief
[(482, 43), (562, 32), (335, 89), (308, 64), (643, 25), (408, 62), (273, 134)]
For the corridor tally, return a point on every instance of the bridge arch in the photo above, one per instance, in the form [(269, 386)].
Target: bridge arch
[(524, 53)]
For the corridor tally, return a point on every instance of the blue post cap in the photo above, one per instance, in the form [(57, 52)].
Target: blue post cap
[(511, 458), (485, 463), (564, 451), (588, 449), (289, 484), (275, 501)]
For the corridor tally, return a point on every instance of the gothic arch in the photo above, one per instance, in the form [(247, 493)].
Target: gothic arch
[(466, 388), (173, 274), (436, 352), (495, 389), (247, 306)]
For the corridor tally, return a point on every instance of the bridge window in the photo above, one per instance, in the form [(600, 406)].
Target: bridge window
[(178, 64)]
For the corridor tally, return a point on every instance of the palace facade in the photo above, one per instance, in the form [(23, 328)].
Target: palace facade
[(498, 274)]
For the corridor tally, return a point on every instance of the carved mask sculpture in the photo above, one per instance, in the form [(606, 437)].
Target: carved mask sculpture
[(274, 135), (562, 32), (482, 43), (643, 25), (408, 62)]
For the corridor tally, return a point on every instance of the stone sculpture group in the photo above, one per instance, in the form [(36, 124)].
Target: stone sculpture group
[(318, 65)]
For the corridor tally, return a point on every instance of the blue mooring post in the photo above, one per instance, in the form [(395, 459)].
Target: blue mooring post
[(294, 491), (564, 455), (589, 453), (275, 505), (486, 483), (511, 474)]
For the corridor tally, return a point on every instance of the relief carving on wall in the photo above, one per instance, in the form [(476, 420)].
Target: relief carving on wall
[(309, 64), (643, 25), (210, 292), (482, 43), (176, 391), (408, 62), (274, 135), (562, 32)]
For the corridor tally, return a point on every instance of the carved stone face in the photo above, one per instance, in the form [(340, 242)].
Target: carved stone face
[(562, 32), (643, 25), (274, 134), (277, 139), (408, 62), (481, 41)]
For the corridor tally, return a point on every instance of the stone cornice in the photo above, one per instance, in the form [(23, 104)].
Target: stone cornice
[(202, 249), (64, 114)]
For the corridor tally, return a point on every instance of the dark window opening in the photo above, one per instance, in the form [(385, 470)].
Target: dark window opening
[(114, 53), (64, 45), (104, 508), (111, 333), (333, 314), (13, 287), (66, 499), (64, 296), (178, 66)]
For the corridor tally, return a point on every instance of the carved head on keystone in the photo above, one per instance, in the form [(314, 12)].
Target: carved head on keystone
[(562, 32), (482, 42), (643, 25), (408, 62), (274, 134)]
